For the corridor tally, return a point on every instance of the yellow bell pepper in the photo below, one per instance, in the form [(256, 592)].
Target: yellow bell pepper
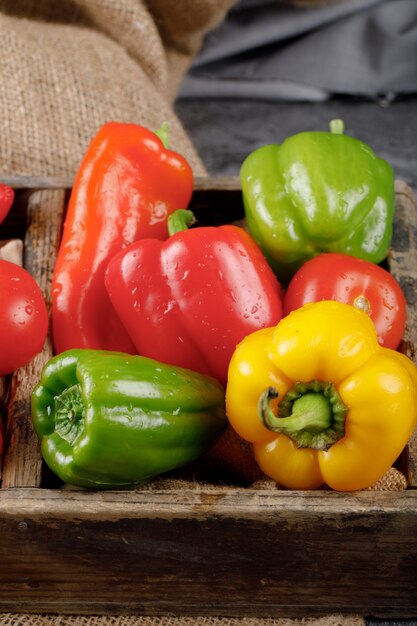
[(321, 401)]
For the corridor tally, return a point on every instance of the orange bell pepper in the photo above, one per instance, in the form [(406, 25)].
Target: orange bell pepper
[(127, 185)]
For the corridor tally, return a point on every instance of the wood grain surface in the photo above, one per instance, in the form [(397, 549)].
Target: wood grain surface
[(22, 460), (221, 552)]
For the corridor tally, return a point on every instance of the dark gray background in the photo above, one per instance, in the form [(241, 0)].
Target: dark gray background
[(281, 50), (226, 131), (272, 69)]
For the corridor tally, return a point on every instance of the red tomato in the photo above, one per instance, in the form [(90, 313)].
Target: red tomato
[(23, 317), (6, 200), (332, 276)]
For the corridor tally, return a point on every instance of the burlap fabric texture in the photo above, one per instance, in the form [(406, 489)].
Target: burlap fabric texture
[(124, 620), (67, 67)]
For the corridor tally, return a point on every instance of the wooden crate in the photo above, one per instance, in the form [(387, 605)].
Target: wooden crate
[(220, 551)]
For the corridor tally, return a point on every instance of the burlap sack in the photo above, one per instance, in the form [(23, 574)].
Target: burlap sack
[(67, 67), (130, 620)]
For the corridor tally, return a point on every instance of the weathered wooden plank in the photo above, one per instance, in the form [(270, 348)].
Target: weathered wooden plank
[(209, 552), (4, 401), (3, 394), (223, 183), (22, 461), (402, 263), (37, 182), (198, 501)]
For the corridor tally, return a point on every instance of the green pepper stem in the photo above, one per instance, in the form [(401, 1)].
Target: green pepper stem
[(163, 134), (311, 414), (180, 220), (69, 413), (337, 127)]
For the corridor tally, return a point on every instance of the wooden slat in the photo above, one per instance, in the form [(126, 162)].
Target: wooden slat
[(37, 182), (4, 400), (23, 462), (216, 183), (402, 263), (3, 393), (209, 552)]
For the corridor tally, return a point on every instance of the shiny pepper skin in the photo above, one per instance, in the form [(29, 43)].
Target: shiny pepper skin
[(318, 192), (189, 300), (108, 420), (127, 185), (320, 400)]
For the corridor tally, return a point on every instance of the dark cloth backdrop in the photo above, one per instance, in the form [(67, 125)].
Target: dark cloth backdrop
[(278, 50)]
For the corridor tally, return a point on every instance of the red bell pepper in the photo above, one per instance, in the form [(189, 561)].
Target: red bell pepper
[(127, 185), (365, 285), (190, 300), (6, 200)]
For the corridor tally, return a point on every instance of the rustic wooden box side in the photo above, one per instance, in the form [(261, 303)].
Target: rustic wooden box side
[(220, 551), (402, 263), (44, 218)]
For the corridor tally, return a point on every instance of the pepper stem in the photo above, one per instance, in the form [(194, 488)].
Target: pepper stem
[(69, 413), (180, 220), (361, 302), (163, 134), (337, 127), (311, 414)]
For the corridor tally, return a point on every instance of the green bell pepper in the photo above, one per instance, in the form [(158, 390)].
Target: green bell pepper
[(318, 192), (108, 419)]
